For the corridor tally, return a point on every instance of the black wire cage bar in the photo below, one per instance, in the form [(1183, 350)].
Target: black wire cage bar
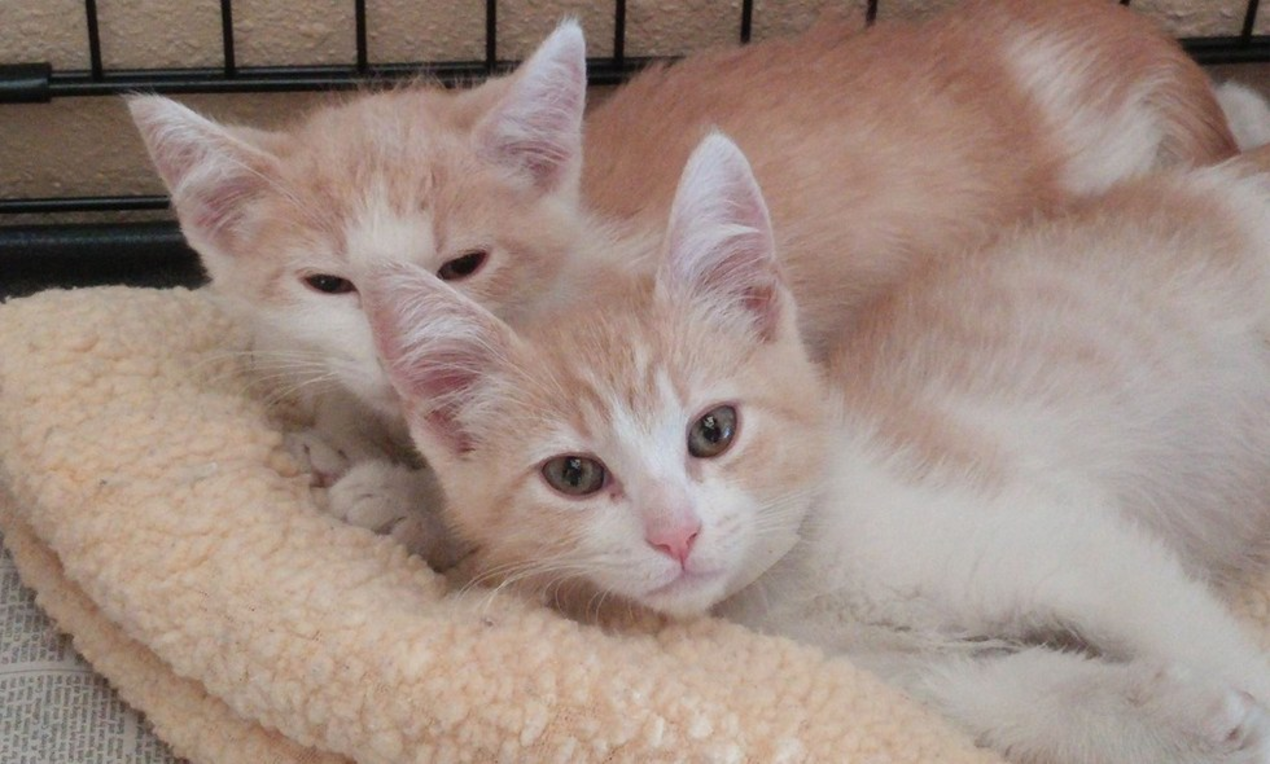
[(39, 82), (36, 249)]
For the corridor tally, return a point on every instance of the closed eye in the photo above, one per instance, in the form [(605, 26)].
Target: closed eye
[(463, 266), (329, 284)]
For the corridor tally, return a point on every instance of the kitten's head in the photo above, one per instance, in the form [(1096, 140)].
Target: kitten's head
[(478, 187), (661, 444)]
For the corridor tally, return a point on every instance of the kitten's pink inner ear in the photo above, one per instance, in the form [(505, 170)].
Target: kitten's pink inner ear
[(537, 128), (210, 173), (447, 388), (439, 349), (720, 249)]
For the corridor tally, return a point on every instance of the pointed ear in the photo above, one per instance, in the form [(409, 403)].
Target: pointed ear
[(438, 348), (720, 255), (536, 129), (211, 173)]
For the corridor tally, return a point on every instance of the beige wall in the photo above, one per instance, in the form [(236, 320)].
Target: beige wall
[(87, 146)]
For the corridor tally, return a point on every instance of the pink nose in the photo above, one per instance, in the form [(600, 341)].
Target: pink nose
[(674, 539)]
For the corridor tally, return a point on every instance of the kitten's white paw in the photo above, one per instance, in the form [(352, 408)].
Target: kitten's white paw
[(375, 495), (319, 457), (1214, 722), (397, 501)]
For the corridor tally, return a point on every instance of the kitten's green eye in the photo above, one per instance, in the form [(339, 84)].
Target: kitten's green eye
[(712, 434), (463, 266), (575, 475), (328, 284)]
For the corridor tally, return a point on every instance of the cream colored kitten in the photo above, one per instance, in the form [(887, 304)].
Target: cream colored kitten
[(478, 186), (881, 149), (1010, 494)]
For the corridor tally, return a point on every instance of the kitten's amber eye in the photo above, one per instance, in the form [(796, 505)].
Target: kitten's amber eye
[(712, 434), (574, 475), (328, 284), (463, 266)]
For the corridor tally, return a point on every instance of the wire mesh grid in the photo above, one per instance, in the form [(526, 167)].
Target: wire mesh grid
[(40, 82), (78, 245)]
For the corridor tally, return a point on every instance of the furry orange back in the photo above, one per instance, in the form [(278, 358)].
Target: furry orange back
[(882, 148)]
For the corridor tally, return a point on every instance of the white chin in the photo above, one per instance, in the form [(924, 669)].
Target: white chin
[(687, 599)]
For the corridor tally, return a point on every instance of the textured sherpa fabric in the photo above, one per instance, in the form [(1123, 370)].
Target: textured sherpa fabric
[(147, 500)]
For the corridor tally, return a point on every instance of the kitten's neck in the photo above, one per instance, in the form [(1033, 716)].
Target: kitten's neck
[(777, 573), (870, 491), (777, 552)]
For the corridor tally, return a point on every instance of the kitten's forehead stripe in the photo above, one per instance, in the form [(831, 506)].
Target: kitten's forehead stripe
[(383, 234), (627, 382)]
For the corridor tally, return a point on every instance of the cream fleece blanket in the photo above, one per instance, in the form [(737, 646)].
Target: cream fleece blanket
[(147, 500)]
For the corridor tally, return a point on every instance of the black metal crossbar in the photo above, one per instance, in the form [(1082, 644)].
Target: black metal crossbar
[(26, 82)]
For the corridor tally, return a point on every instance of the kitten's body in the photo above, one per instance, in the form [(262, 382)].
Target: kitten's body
[(878, 150), (1059, 441), (881, 149), (420, 175), (1010, 494)]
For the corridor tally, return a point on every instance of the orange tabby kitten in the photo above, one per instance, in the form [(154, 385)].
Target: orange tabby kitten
[(880, 148), (1008, 493)]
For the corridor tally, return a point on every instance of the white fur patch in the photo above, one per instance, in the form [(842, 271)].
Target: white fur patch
[(1101, 147), (1247, 113), (381, 235)]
